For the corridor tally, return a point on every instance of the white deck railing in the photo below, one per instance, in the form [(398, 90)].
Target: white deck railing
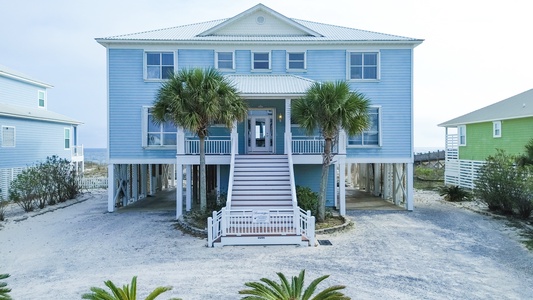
[(89, 183), (309, 145), (213, 145)]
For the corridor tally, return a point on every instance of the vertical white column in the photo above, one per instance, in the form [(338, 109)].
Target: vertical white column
[(110, 188), (349, 174), (173, 177), (135, 182), (144, 180), (179, 190), (287, 135), (342, 186), (409, 204), (335, 184), (377, 179), (188, 188)]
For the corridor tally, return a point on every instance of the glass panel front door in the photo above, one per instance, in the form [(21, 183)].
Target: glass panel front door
[(260, 131)]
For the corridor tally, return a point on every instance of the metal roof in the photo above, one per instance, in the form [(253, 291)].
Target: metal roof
[(200, 32), (7, 72), (35, 114), (518, 106), (270, 84)]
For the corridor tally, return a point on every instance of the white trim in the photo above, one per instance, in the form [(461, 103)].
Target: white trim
[(145, 64), (14, 137), (39, 98), (69, 137), (497, 129), (269, 52), (287, 66), (232, 61), (349, 63)]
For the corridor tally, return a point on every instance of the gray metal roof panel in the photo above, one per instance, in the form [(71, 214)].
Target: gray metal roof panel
[(518, 106), (35, 113), (270, 84)]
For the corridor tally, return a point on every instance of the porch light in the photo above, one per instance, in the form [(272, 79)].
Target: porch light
[(280, 117)]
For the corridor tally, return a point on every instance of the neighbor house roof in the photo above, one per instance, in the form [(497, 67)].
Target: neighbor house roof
[(302, 31), (7, 72), (518, 106), (249, 85), (35, 114)]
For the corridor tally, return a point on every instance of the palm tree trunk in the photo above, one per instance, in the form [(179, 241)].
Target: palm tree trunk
[(326, 162), (203, 188)]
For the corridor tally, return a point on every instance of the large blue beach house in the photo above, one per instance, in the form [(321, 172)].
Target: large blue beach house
[(272, 60), (30, 132)]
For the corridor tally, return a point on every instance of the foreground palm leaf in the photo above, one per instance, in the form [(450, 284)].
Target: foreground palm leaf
[(4, 291), (293, 290), (195, 99), (126, 293), (329, 107)]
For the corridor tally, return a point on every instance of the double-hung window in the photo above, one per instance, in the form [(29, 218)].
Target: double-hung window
[(372, 135), (462, 135), (497, 129), (8, 136), (41, 95), (296, 61), (364, 65), (159, 65), (157, 135), (261, 61), (224, 60), (67, 138)]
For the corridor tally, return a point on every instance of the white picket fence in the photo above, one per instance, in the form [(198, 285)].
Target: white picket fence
[(90, 183), (462, 172)]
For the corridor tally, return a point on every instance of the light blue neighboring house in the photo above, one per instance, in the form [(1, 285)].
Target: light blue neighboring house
[(29, 131), (272, 60)]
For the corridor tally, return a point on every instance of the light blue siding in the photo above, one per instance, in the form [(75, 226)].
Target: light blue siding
[(309, 175), (31, 145), (326, 65), (243, 61), (278, 62), (191, 58), (16, 92)]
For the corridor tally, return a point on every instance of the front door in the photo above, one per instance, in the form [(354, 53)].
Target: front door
[(260, 131)]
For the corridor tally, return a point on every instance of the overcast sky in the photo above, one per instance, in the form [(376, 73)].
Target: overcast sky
[(475, 53)]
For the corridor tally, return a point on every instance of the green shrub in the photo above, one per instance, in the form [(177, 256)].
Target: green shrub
[(454, 193), (307, 199), (127, 292), (4, 290), (23, 190), (3, 205), (291, 290)]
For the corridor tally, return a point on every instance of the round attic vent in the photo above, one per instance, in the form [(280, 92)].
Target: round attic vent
[(260, 20)]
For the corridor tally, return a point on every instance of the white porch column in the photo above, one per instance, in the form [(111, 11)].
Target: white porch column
[(287, 134), (349, 174), (144, 179), (335, 184), (342, 186), (409, 204), (110, 188), (179, 190), (342, 142), (135, 182), (377, 179), (180, 141), (173, 177), (188, 189)]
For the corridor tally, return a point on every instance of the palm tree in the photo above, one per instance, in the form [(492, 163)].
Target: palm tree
[(194, 99), (126, 293), (4, 290), (330, 107), (291, 291)]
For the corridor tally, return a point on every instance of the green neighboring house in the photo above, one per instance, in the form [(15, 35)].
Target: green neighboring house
[(471, 138)]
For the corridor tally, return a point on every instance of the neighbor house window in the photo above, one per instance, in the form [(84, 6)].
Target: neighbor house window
[(296, 61), (41, 98), (159, 65), (372, 135), (261, 60), (462, 135), (363, 65), (157, 135), (497, 129), (67, 138), (224, 60), (8, 136)]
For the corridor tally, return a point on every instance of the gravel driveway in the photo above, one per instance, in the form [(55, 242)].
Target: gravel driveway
[(436, 252)]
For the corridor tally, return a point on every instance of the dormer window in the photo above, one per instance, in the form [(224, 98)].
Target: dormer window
[(261, 61), (41, 95)]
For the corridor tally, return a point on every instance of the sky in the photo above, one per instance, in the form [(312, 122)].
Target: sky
[(475, 52)]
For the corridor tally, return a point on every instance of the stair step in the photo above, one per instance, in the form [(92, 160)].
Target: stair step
[(261, 181), (261, 169), (262, 192), (274, 173), (261, 187)]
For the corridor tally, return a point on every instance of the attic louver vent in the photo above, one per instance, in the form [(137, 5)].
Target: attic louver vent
[(260, 20)]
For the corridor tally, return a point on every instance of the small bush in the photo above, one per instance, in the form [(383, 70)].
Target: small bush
[(4, 290), (454, 193), (3, 205), (23, 190), (307, 199)]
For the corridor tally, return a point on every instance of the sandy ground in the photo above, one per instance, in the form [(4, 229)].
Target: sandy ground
[(438, 251)]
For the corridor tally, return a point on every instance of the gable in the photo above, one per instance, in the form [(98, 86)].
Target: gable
[(259, 21)]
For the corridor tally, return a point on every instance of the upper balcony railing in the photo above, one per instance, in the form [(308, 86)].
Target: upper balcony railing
[(213, 145), (76, 153)]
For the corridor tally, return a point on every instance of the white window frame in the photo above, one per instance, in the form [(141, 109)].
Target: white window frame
[(497, 129), (14, 142), (232, 61), (461, 132), (288, 60), (144, 130), (145, 64), (379, 131), (65, 130), (269, 61), (39, 92), (349, 65)]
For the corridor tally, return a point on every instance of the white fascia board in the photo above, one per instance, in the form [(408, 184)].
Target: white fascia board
[(24, 79), (482, 121), (69, 122)]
